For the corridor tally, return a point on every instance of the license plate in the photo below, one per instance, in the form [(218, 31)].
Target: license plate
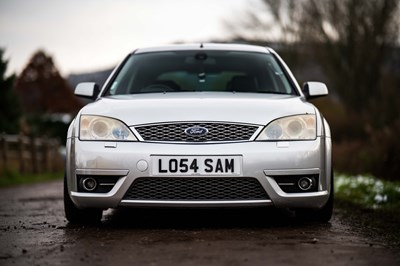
[(196, 165)]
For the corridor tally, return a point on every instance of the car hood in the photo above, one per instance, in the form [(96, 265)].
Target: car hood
[(253, 108)]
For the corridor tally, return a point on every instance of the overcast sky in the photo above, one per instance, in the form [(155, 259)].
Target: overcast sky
[(87, 35)]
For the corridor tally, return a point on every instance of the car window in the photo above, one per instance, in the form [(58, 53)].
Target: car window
[(200, 71)]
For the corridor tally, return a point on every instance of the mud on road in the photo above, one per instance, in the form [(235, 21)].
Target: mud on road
[(33, 231)]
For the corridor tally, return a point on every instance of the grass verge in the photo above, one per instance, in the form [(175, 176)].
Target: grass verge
[(12, 178), (371, 203)]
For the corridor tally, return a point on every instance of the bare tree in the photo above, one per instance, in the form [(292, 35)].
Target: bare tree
[(268, 21), (355, 43), (350, 39), (357, 37)]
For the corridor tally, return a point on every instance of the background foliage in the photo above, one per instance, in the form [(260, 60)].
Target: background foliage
[(9, 104), (46, 98), (352, 45)]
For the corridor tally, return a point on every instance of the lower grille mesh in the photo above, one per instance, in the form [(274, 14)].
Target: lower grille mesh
[(196, 189)]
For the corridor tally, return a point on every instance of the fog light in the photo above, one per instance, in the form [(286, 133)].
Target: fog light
[(305, 183), (89, 184)]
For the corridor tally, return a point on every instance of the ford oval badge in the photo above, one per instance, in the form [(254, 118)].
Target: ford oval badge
[(196, 131)]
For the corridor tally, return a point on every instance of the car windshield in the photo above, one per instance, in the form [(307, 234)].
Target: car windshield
[(182, 71)]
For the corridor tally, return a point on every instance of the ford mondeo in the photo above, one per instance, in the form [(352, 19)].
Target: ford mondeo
[(201, 125)]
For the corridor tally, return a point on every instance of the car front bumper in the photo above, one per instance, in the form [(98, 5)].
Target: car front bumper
[(264, 161)]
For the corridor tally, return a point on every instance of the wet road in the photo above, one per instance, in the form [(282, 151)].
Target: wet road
[(33, 231)]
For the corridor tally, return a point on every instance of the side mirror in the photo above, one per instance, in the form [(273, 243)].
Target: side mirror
[(313, 89), (89, 90)]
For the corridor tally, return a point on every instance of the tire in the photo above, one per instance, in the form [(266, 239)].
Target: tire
[(79, 216), (322, 215)]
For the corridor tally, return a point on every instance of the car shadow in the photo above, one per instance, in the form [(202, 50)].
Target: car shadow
[(171, 218)]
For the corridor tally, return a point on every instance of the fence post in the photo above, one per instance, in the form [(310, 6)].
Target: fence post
[(4, 150), (33, 155), (28, 154), (46, 154), (21, 158), (55, 144)]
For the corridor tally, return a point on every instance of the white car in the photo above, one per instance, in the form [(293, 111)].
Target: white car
[(202, 125)]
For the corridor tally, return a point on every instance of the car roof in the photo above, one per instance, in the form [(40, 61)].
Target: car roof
[(204, 46)]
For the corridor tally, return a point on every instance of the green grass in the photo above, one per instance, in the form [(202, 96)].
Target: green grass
[(368, 192), (12, 178), (371, 203)]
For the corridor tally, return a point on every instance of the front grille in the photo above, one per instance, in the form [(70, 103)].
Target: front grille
[(196, 189), (217, 132)]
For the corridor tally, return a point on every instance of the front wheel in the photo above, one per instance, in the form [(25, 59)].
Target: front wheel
[(322, 215), (79, 216)]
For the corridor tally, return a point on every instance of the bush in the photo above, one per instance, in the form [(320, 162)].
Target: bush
[(359, 148), (379, 154), (368, 192), (383, 152)]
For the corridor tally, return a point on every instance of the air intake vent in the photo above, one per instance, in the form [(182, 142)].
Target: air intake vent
[(196, 189)]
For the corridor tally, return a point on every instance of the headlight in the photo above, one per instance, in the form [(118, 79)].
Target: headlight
[(298, 127), (103, 128)]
